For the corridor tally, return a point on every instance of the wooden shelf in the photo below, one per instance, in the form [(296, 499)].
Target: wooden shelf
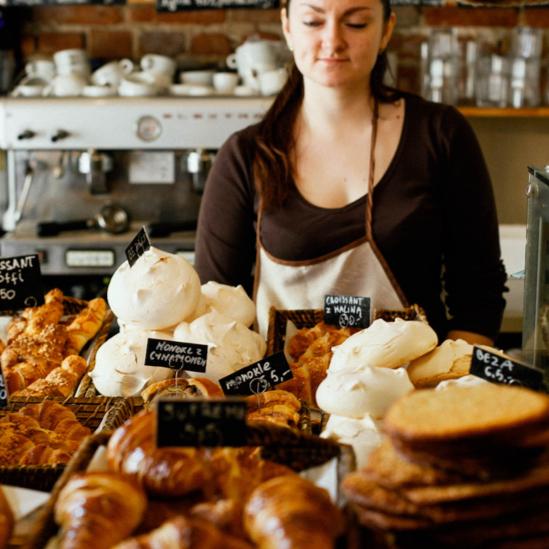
[(494, 112)]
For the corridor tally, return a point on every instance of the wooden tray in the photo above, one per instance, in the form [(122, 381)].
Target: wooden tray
[(98, 414), (297, 451)]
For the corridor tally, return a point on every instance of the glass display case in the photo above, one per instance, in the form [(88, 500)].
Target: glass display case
[(535, 331)]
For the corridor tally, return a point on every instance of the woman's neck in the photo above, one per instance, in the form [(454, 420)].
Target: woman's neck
[(328, 111)]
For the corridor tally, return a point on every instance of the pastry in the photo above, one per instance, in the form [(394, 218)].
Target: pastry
[(384, 344), (159, 291), (120, 365), (450, 360), (85, 325), (292, 512), (231, 301), (185, 533), (98, 510), (6, 520)]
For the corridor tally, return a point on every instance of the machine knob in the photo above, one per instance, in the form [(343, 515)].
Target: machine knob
[(26, 134), (60, 134)]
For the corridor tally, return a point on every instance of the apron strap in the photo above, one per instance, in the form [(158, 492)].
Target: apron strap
[(370, 195)]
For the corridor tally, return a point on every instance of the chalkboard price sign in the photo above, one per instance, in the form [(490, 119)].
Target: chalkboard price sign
[(258, 377), (176, 355), (347, 311), (20, 282), (499, 368), (197, 422), (138, 246), (3, 392)]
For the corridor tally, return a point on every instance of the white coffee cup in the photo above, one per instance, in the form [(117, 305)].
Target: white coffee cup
[(66, 85), (254, 55), (138, 84), (225, 82), (197, 78), (271, 82), (65, 59), (40, 68), (112, 73), (31, 86), (98, 91), (158, 64)]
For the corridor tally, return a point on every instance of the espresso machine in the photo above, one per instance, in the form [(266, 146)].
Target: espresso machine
[(83, 175)]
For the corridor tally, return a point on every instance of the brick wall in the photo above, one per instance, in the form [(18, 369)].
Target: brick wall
[(109, 32)]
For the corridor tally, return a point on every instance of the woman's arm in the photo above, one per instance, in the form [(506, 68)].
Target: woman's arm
[(225, 242), (474, 273)]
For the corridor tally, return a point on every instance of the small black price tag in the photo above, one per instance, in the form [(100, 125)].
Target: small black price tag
[(138, 246), (347, 311), (176, 355), (20, 282), (257, 377), (499, 368), (198, 422), (3, 392)]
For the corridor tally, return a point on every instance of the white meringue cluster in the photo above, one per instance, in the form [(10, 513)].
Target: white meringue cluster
[(367, 374), (160, 297)]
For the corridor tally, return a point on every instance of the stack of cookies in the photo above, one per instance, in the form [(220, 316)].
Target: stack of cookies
[(462, 466)]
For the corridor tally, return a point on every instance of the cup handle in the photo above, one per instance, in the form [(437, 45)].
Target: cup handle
[(231, 61), (126, 65), (146, 63)]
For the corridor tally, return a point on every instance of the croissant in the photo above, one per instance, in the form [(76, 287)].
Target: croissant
[(293, 513), (226, 472), (43, 454), (6, 520), (97, 510), (61, 381), (166, 471), (185, 533), (12, 445), (85, 325), (56, 417)]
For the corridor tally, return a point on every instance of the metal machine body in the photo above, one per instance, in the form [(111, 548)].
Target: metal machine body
[(69, 158)]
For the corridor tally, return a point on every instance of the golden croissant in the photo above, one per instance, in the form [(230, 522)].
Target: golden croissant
[(97, 510)]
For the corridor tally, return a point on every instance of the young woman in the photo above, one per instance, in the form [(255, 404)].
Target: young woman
[(350, 187)]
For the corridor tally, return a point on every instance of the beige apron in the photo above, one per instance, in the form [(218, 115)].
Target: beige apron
[(355, 269)]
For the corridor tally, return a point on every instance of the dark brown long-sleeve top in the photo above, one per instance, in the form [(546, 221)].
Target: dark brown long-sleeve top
[(434, 221)]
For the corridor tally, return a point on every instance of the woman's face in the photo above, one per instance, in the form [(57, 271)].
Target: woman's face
[(336, 42)]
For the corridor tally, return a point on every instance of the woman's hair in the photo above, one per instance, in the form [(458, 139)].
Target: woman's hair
[(275, 141)]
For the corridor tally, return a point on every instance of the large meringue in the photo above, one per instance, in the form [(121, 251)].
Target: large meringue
[(369, 391), (159, 291), (120, 365), (384, 344), (362, 434), (231, 301), (231, 345)]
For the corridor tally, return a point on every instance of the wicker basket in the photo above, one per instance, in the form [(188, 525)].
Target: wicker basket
[(98, 414), (307, 318), (279, 444)]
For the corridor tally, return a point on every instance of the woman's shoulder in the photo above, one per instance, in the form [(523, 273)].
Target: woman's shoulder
[(430, 112), (244, 138)]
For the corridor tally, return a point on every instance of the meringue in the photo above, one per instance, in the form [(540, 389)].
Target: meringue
[(120, 365), (231, 301), (369, 391), (362, 434), (384, 344), (465, 381), (231, 345), (159, 291)]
